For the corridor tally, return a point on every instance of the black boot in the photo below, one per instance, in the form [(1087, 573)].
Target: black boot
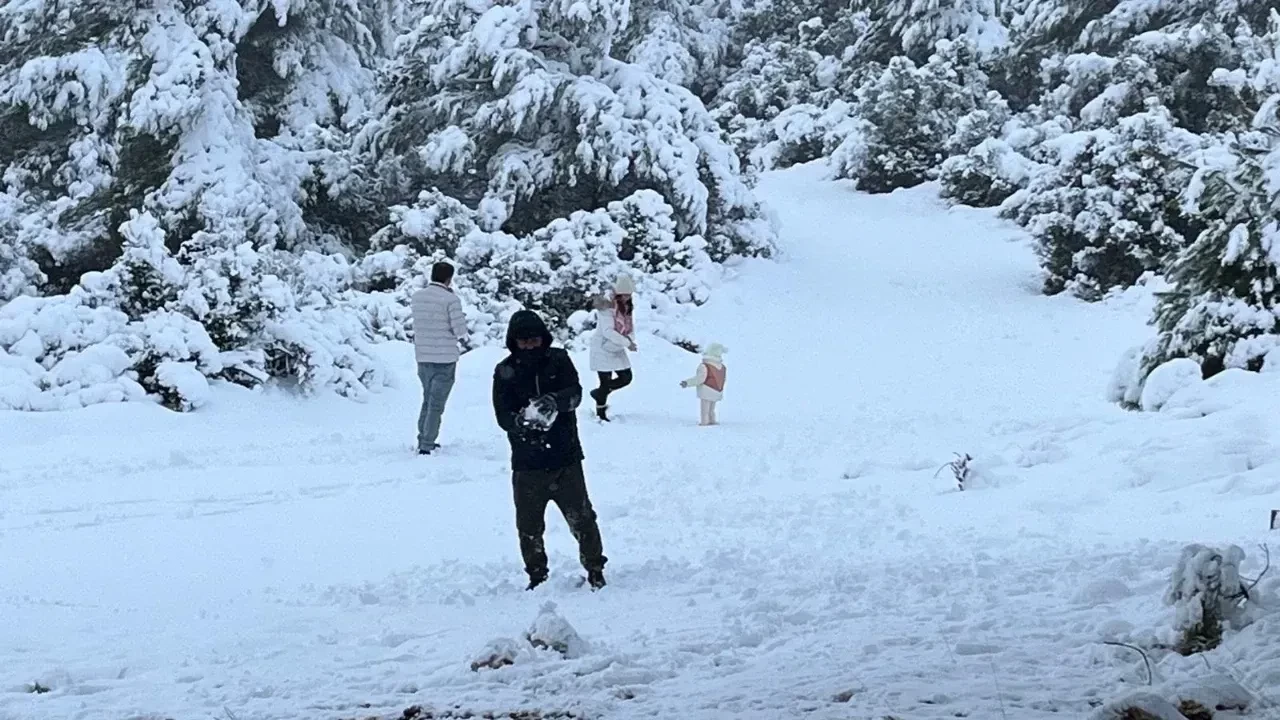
[(602, 412), (536, 580), (595, 578)]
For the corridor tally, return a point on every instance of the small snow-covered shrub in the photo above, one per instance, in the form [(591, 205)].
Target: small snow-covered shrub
[(1111, 210), (986, 122), (59, 353), (171, 356), (1166, 380), (986, 175), (1206, 593), (1125, 386), (773, 76), (804, 133)]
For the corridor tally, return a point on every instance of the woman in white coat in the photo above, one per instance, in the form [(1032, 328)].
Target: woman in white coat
[(613, 337)]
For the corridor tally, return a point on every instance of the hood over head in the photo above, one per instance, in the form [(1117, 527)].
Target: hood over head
[(527, 324)]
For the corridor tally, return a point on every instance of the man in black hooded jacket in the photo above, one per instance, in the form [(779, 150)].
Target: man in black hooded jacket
[(536, 394)]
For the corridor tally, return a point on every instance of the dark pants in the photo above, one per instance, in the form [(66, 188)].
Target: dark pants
[(567, 488), (610, 382)]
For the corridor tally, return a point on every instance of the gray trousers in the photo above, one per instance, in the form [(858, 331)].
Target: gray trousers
[(437, 383)]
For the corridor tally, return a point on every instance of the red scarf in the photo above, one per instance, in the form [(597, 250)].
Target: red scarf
[(624, 316)]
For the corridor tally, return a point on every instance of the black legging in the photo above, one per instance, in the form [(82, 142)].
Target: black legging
[(611, 381)]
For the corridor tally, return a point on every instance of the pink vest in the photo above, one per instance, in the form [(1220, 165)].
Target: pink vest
[(715, 376)]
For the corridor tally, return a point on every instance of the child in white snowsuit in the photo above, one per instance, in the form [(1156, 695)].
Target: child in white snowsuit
[(709, 381)]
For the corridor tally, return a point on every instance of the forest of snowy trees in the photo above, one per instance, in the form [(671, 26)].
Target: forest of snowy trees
[(250, 189)]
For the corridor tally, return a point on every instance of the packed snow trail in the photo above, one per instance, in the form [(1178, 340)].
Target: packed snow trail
[(279, 558)]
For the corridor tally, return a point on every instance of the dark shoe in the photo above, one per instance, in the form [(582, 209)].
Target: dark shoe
[(602, 412), (424, 451), (595, 578), (535, 581)]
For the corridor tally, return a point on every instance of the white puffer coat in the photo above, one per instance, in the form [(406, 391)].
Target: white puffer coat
[(608, 346)]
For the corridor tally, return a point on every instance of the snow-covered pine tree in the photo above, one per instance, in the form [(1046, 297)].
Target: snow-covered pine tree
[(518, 111), (683, 42), (910, 113), (1111, 211), (1224, 309), (19, 273), (220, 122), (827, 27), (918, 25), (199, 113)]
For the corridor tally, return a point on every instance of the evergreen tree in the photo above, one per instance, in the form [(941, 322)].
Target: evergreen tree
[(519, 112), (910, 114), (1110, 211), (918, 25), (202, 113), (684, 42), (1224, 310)]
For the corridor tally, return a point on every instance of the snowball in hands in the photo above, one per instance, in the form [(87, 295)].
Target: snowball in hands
[(540, 413)]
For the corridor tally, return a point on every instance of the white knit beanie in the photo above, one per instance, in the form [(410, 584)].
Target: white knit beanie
[(624, 285)]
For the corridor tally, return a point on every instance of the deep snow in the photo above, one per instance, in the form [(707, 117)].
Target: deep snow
[(271, 557)]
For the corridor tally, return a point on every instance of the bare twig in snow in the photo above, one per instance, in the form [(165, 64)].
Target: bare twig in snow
[(996, 679), (1146, 660)]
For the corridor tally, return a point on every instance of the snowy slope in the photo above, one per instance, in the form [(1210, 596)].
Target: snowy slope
[(276, 558)]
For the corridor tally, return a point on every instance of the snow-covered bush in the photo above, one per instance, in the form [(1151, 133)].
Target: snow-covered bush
[(519, 111), (985, 122), (803, 133), (986, 175), (555, 270), (901, 143), (773, 76), (1096, 90), (1110, 212), (909, 114), (433, 226), (1224, 309), (1166, 380), (1207, 594), (64, 352), (1125, 385)]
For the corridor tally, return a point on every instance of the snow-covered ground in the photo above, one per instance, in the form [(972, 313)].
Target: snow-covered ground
[(272, 557)]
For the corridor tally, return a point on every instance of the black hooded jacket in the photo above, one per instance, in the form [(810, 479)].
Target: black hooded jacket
[(526, 376)]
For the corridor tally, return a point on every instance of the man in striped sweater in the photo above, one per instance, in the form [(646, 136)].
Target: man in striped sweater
[(439, 328)]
